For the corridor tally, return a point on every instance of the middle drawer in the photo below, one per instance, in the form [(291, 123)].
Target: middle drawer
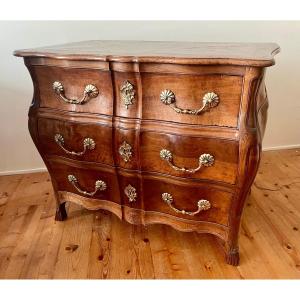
[(189, 156), (76, 140), (184, 156)]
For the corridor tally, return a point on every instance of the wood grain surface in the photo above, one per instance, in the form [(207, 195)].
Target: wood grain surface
[(255, 54), (189, 91), (74, 134), (74, 82), (98, 245)]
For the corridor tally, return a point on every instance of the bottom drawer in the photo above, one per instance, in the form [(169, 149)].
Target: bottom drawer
[(86, 181), (182, 198), (197, 202)]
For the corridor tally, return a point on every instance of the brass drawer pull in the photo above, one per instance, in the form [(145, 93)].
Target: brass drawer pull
[(90, 91), (202, 205), (209, 100), (205, 160), (88, 144), (99, 186)]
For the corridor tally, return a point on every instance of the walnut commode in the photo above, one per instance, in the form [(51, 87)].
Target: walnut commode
[(155, 132)]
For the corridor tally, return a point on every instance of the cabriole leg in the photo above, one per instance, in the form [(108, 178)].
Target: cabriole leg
[(61, 213), (233, 256)]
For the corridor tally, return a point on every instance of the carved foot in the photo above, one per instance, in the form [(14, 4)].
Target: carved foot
[(233, 257), (61, 213)]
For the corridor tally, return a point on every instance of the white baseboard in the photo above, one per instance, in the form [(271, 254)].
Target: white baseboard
[(15, 172), (284, 147)]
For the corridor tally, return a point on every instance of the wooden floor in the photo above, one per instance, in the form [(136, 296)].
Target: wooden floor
[(99, 245)]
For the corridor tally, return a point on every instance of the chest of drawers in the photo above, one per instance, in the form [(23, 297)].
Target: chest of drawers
[(155, 132)]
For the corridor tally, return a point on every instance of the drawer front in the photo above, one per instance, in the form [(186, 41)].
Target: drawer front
[(80, 90), (181, 156), (182, 200), (191, 157), (80, 141), (192, 99), (85, 181)]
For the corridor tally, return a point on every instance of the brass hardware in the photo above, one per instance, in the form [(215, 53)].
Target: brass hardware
[(202, 205), (90, 91), (209, 100), (205, 160), (130, 192), (88, 144), (125, 150), (99, 186), (127, 92)]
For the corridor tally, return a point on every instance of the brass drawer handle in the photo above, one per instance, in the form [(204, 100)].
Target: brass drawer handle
[(88, 144), (202, 205), (209, 100), (90, 91), (205, 160), (100, 185)]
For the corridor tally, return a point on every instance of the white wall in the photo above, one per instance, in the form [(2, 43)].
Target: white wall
[(17, 151)]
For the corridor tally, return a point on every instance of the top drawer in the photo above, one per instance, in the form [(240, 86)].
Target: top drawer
[(75, 89), (212, 99)]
